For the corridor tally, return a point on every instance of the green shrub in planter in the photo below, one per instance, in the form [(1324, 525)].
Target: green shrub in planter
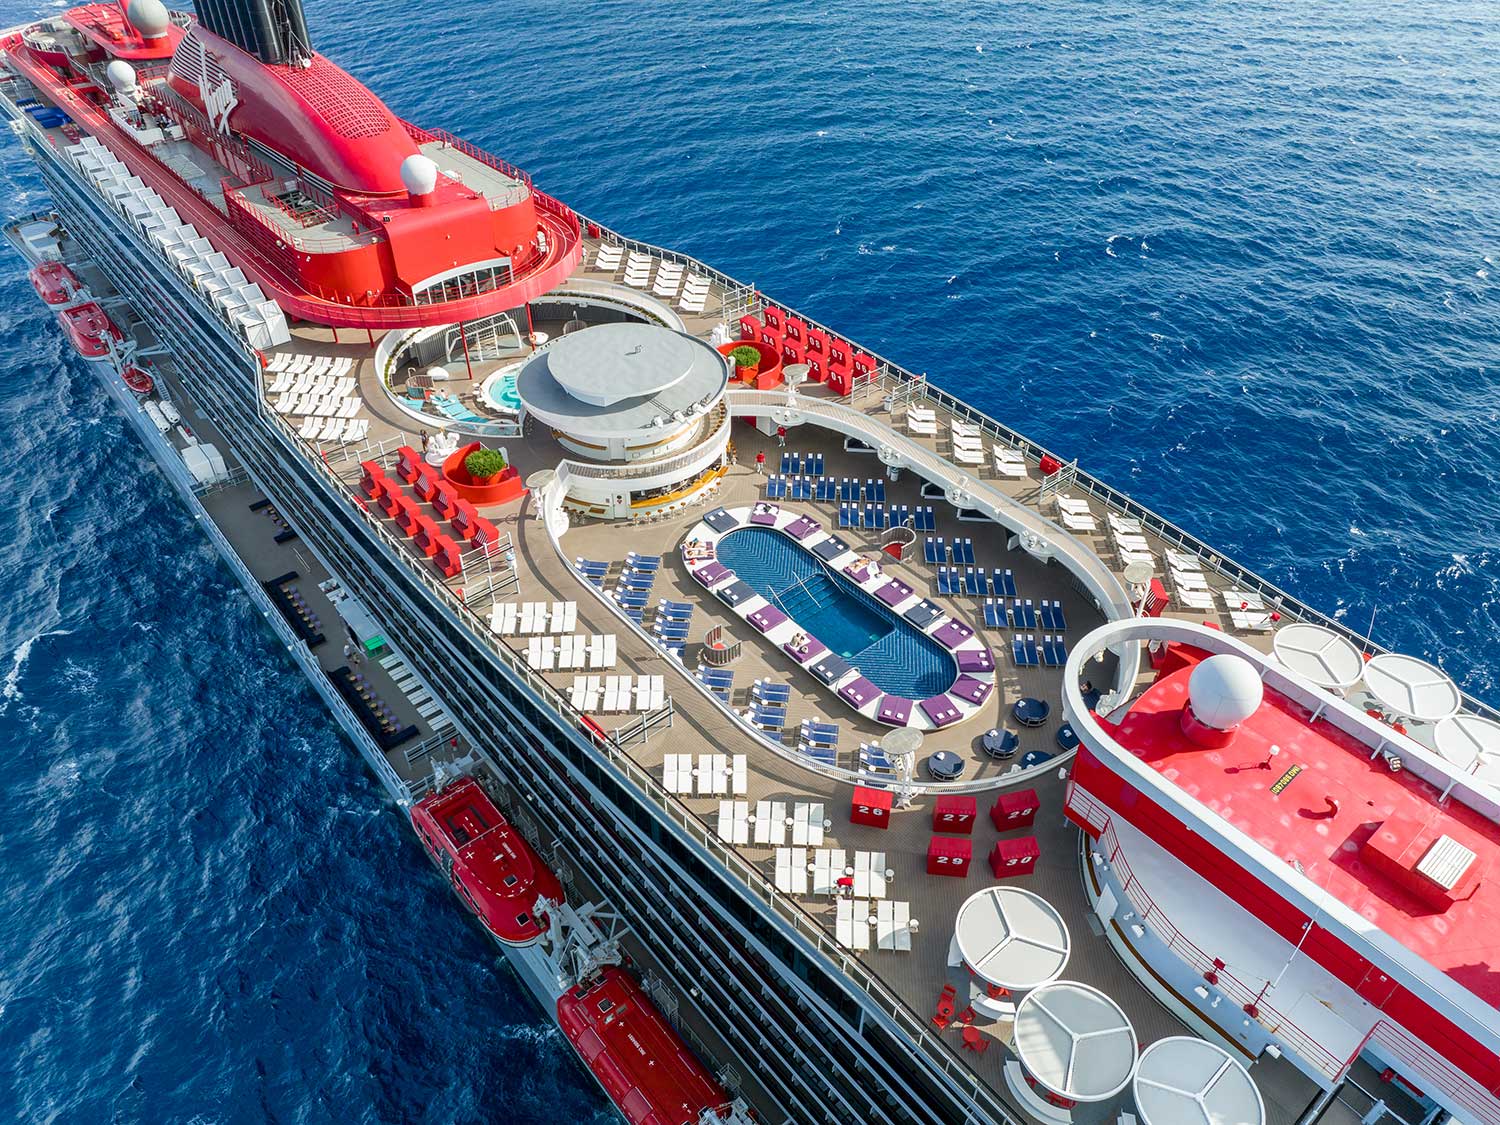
[(484, 463), (745, 356)]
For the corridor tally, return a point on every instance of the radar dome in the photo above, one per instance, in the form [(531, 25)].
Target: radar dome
[(419, 174), (1224, 691), (121, 76), (149, 17)]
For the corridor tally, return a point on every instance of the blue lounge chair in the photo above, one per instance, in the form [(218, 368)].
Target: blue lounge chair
[(995, 616)]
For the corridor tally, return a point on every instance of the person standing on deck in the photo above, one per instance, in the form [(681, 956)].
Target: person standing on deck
[(760, 461), (781, 436)]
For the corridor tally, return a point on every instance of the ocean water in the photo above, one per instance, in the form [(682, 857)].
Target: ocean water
[(1238, 259)]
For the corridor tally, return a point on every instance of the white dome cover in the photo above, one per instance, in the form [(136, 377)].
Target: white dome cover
[(419, 174), (1224, 691), (121, 76), (149, 17)]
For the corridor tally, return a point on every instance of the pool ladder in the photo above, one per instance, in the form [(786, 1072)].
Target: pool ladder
[(785, 598)]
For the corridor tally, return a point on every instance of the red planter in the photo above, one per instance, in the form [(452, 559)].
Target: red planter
[(499, 489), (768, 374)]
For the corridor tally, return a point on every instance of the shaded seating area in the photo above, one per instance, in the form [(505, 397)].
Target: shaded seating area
[(304, 621), (374, 715)]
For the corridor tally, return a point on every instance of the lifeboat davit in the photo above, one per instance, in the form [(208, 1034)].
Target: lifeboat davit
[(489, 863), (642, 1063), (137, 380), (89, 329), (54, 282)]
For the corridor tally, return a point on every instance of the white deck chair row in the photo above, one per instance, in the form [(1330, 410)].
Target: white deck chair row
[(335, 429), (1076, 515)]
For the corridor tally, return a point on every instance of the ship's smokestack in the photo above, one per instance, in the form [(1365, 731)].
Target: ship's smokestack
[(274, 31)]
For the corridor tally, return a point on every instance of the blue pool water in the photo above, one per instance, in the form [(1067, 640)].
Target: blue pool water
[(893, 655), (1239, 258), (503, 393)]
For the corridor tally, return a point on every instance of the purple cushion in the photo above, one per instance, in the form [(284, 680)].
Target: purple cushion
[(893, 593), (767, 618), (952, 634), (803, 526), (812, 649), (859, 691), (764, 517), (940, 709), (975, 660), (895, 710), (711, 573), (967, 687), (859, 571)]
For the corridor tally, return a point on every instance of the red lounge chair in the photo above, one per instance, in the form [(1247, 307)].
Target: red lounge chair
[(974, 1041), (817, 342), (426, 536), (373, 481), (427, 480), (406, 463), (792, 351), (864, 365), (945, 1006), (465, 519), (774, 317), (840, 375), (772, 336), (749, 328), (486, 534), (407, 517), (445, 500), (796, 329), (447, 559), (390, 499), (815, 370)]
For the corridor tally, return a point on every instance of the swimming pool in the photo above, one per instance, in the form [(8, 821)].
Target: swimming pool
[(500, 389), (888, 651)]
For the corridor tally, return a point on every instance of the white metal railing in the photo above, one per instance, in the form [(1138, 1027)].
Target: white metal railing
[(718, 437)]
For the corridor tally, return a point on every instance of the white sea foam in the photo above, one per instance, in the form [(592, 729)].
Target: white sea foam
[(10, 688)]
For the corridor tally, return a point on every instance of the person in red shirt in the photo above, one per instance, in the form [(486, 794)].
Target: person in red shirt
[(781, 436), (760, 461)]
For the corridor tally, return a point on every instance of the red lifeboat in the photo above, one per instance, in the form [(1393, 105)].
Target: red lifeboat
[(137, 380), (53, 282), (490, 865), (643, 1065), (89, 329)]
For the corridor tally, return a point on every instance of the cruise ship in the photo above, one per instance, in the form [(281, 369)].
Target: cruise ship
[(816, 747)]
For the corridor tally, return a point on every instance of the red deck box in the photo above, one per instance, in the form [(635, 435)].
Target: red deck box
[(1015, 809), (954, 813), (949, 855), (871, 806), (1012, 859)]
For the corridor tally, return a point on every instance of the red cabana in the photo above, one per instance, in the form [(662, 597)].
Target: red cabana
[(426, 483), (772, 336), (373, 482), (773, 317), (426, 535), (796, 329), (838, 351), (840, 376), (1013, 859), (407, 461), (817, 342), (949, 855), (390, 499), (792, 351), (749, 328), (408, 515), (445, 500), (816, 370), (954, 813), (448, 557), (486, 535), (1015, 809), (465, 519), (864, 365), (871, 807)]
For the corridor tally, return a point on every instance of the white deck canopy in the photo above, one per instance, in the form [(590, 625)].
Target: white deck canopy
[(1186, 1081), (1319, 655), (1467, 740), (1412, 688), (1011, 938), (1075, 1041)]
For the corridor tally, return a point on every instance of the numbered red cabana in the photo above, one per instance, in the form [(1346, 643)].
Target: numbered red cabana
[(796, 329), (749, 328), (953, 812), (949, 855), (774, 317), (870, 807)]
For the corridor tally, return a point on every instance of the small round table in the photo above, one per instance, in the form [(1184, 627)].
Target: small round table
[(1000, 744), (945, 765), (1067, 737), (1031, 712)]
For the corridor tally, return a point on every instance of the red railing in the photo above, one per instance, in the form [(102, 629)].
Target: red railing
[(442, 136), (1436, 1071)]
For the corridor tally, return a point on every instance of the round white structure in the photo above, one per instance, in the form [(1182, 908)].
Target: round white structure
[(149, 17), (418, 174), (1075, 1042), (1011, 938), (1224, 691), (1318, 655), (1187, 1081), (640, 410), (121, 76), (1412, 688), (1467, 740)]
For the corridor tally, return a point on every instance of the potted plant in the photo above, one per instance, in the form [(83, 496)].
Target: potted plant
[(747, 360), (484, 465)]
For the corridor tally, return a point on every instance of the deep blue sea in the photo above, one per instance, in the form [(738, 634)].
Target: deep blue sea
[(1240, 259)]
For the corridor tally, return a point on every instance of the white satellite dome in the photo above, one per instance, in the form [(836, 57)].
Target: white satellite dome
[(1224, 691), (419, 174), (121, 76), (149, 17)]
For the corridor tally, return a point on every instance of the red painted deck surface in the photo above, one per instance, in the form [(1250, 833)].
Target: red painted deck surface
[(493, 869), (1463, 941), (643, 1065)]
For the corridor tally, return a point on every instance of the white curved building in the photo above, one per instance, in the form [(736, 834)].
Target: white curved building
[(639, 411)]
